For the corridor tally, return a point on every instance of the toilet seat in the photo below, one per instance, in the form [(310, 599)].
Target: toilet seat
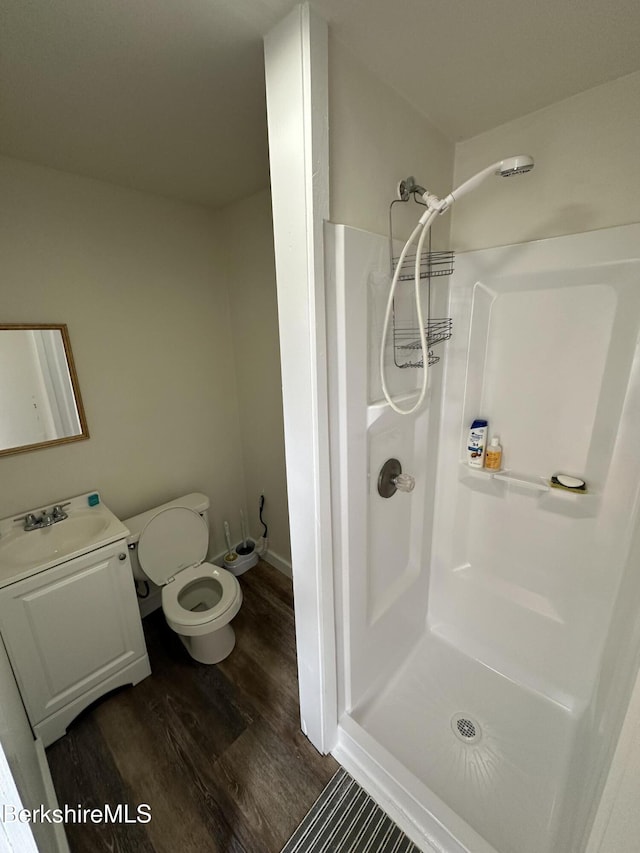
[(191, 622)]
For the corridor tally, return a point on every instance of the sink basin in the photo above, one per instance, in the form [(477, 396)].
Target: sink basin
[(87, 528), (48, 543)]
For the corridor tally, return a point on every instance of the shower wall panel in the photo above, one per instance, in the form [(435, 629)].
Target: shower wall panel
[(525, 577), (383, 543)]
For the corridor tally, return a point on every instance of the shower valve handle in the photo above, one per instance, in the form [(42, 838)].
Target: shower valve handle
[(404, 482), (392, 480)]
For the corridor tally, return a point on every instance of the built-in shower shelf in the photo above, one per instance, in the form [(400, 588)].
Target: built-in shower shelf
[(517, 478), (573, 504), (528, 481)]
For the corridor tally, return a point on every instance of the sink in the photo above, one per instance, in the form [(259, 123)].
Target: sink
[(87, 527), (47, 543)]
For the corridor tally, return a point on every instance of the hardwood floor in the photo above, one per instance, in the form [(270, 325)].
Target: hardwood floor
[(215, 751)]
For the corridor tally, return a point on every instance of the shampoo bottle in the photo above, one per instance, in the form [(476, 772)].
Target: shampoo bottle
[(477, 443), (493, 460)]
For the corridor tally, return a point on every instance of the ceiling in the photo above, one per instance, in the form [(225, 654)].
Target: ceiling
[(167, 96)]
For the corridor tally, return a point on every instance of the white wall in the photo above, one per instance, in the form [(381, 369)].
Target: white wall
[(139, 281), (377, 139), (246, 230), (587, 173)]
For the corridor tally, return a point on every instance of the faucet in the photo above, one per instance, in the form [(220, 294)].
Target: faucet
[(48, 517), (58, 512)]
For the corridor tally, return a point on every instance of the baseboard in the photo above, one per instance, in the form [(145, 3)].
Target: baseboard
[(275, 560), (279, 563)]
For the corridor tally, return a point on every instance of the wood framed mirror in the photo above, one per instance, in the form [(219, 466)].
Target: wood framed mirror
[(40, 402)]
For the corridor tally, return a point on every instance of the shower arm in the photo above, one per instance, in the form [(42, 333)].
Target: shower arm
[(519, 165), (441, 205), (408, 188)]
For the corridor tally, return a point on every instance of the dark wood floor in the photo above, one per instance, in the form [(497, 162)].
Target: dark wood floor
[(216, 751)]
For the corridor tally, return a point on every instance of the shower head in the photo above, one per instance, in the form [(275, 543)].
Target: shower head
[(519, 165)]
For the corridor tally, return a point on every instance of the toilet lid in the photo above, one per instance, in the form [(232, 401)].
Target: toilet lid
[(174, 539)]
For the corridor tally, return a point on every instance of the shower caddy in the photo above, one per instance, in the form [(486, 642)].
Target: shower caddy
[(406, 335)]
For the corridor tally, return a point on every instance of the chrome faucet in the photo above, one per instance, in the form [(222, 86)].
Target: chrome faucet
[(48, 517), (58, 512)]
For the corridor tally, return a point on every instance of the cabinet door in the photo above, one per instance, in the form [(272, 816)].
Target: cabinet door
[(70, 627)]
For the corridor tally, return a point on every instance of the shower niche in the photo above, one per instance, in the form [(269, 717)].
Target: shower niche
[(547, 364)]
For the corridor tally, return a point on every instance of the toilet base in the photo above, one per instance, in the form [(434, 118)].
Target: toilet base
[(211, 648)]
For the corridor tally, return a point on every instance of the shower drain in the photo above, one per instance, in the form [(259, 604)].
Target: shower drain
[(465, 728)]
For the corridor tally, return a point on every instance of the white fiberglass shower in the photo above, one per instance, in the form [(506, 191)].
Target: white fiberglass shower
[(489, 635)]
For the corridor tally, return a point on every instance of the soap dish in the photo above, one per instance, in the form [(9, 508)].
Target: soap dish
[(569, 484)]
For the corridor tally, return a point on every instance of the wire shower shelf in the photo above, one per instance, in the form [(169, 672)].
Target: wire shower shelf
[(406, 334), (432, 265), (407, 342)]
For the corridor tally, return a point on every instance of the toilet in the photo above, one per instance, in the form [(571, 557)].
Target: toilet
[(168, 546)]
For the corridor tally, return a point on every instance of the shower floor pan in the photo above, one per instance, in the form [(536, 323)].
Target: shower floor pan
[(493, 751)]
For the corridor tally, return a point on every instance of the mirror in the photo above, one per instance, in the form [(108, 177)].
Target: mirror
[(39, 392)]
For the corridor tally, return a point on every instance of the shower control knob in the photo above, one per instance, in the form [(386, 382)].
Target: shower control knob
[(391, 479), (404, 482)]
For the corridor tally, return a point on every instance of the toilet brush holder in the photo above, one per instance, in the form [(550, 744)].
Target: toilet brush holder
[(246, 558)]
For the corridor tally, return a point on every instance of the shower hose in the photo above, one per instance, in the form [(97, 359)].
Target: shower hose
[(422, 228)]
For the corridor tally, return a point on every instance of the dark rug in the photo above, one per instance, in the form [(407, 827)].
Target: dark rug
[(344, 819)]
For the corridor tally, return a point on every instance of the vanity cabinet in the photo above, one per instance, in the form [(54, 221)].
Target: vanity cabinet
[(73, 633)]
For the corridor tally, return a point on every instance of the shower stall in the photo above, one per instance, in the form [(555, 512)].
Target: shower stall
[(488, 627)]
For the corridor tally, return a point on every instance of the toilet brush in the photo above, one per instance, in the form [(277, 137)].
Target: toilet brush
[(244, 556), (231, 555), (247, 545)]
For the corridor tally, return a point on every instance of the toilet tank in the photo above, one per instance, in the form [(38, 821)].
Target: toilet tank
[(195, 501)]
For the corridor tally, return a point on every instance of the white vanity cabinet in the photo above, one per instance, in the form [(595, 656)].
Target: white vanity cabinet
[(73, 633)]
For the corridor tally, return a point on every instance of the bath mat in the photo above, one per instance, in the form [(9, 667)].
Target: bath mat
[(344, 819)]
